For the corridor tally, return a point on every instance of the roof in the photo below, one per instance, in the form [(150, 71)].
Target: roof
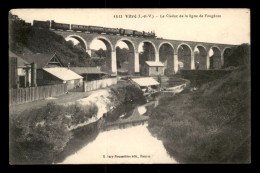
[(145, 81), (41, 59), (154, 63), (86, 70), (63, 73), (20, 62)]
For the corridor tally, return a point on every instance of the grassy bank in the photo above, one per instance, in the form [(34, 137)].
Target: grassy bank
[(43, 136), (81, 137), (38, 135), (209, 125)]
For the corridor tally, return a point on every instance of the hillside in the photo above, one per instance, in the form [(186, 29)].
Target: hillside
[(27, 39), (209, 125)]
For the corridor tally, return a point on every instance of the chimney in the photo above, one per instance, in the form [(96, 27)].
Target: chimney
[(68, 65)]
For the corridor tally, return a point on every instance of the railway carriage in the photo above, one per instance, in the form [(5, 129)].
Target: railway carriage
[(62, 26), (91, 29), (114, 31), (41, 24), (129, 32), (138, 33), (82, 28), (96, 29)]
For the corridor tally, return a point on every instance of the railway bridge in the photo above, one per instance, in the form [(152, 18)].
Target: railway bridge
[(180, 50)]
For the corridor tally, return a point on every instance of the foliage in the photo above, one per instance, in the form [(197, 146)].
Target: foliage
[(144, 56), (210, 125), (38, 135), (126, 98), (239, 56), (81, 114), (38, 40), (122, 54), (100, 53), (165, 52)]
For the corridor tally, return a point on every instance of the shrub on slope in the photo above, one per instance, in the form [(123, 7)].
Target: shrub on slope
[(210, 125), (37, 135)]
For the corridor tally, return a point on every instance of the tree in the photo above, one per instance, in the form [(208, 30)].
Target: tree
[(239, 56), (144, 56), (165, 52), (23, 38), (196, 56), (100, 53)]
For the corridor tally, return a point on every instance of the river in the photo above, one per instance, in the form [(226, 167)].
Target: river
[(131, 145)]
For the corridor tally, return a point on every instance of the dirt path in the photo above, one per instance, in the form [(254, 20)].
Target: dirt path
[(62, 99), (72, 96)]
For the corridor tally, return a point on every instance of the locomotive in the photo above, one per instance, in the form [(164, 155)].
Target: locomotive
[(92, 29), (41, 24)]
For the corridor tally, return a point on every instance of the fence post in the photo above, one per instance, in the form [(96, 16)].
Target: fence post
[(10, 97), (26, 95), (20, 95)]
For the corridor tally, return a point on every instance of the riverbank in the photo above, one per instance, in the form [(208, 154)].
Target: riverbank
[(208, 125), (50, 132)]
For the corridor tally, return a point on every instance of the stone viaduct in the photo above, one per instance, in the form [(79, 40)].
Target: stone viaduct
[(187, 47)]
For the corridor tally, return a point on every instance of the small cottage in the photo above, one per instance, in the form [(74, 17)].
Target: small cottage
[(20, 71), (43, 60), (59, 75), (152, 68), (50, 70), (89, 73)]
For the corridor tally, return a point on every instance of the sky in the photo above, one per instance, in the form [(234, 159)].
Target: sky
[(227, 26)]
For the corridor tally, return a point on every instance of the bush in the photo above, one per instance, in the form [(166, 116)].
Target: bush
[(210, 125), (38, 135), (81, 114), (125, 97), (39, 40)]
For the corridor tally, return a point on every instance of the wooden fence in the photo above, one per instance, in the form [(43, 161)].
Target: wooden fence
[(96, 84), (25, 95)]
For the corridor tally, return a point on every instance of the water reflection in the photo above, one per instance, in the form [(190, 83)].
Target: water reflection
[(130, 145)]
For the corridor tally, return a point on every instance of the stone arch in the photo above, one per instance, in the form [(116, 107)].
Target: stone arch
[(148, 41), (129, 43), (167, 57), (155, 53), (151, 56), (165, 42), (185, 56), (226, 51), (106, 41), (110, 55), (133, 61), (81, 40), (215, 61), (201, 60)]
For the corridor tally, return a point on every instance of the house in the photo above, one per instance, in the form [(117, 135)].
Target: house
[(19, 72), (50, 70), (89, 73), (59, 75), (43, 60), (153, 68)]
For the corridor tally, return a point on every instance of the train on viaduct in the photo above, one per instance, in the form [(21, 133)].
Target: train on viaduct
[(133, 39)]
